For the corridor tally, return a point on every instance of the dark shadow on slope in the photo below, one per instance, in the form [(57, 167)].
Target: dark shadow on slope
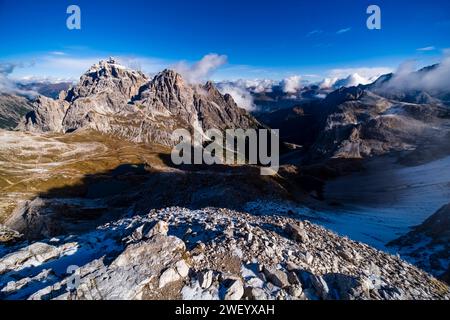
[(133, 189)]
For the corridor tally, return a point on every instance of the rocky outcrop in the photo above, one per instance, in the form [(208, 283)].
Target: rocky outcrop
[(47, 115), (113, 99), (177, 253), (8, 235), (428, 245)]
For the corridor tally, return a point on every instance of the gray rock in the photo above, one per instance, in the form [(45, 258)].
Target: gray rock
[(290, 266), (161, 228), (295, 291), (128, 275), (293, 278), (320, 286), (257, 294), (309, 258), (33, 255), (235, 290), (8, 235), (113, 99), (297, 232), (277, 277), (12, 109), (47, 115)]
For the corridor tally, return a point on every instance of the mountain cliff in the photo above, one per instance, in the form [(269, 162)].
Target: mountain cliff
[(116, 100)]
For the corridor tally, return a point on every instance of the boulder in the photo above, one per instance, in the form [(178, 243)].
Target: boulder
[(235, 290), (205, 279), (277, 277), (168, 276), (297, 232)]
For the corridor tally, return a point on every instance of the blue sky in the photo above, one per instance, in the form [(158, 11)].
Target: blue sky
[(261, 39)]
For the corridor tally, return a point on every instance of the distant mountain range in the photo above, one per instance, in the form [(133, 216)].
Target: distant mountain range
[(45, 88), (366, 120)]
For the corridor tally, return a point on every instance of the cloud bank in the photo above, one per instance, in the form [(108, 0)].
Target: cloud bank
[(201, 70), (9, 86), (240, 94), (435, 79), (292, 84)]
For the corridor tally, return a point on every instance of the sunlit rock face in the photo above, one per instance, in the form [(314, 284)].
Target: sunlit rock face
[(113, 99)]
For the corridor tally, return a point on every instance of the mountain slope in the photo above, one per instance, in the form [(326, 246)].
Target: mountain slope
[(178, 253), (428, 245), (358, 123), (12, 109)]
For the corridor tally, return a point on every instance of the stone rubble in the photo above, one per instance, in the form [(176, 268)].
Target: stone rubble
[(178, 253)]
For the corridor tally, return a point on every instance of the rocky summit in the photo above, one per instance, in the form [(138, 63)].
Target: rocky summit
[(113, 99), (178, 253)]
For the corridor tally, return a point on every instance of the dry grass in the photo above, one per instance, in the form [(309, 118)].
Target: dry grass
[(34, 164)]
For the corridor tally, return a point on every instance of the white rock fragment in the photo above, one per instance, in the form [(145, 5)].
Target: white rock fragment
[(167, 277), (297, 232), (182, 268), (161, 228)]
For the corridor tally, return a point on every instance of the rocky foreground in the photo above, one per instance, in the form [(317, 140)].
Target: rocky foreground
[(178, 253)]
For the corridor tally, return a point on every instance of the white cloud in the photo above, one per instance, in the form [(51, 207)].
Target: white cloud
[(314, 32), (7, 85), (241, 95), (352, 80), (424, 49), (341, 31), (58, 53), (327, 83), (201, 70), (256, 85), (436, 79), (365, 72), (292, 84)]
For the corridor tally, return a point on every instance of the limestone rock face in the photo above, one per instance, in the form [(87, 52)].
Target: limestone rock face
[(47, 115), (109, 78), (116, 100)]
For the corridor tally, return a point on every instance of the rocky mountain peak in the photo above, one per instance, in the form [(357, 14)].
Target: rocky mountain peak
[(168, 80), (111, 98), (108, 76), (212, 90)]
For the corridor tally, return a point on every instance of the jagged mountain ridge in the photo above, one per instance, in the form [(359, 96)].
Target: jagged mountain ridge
[(116, 100), (366, 120), (359, 123)]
